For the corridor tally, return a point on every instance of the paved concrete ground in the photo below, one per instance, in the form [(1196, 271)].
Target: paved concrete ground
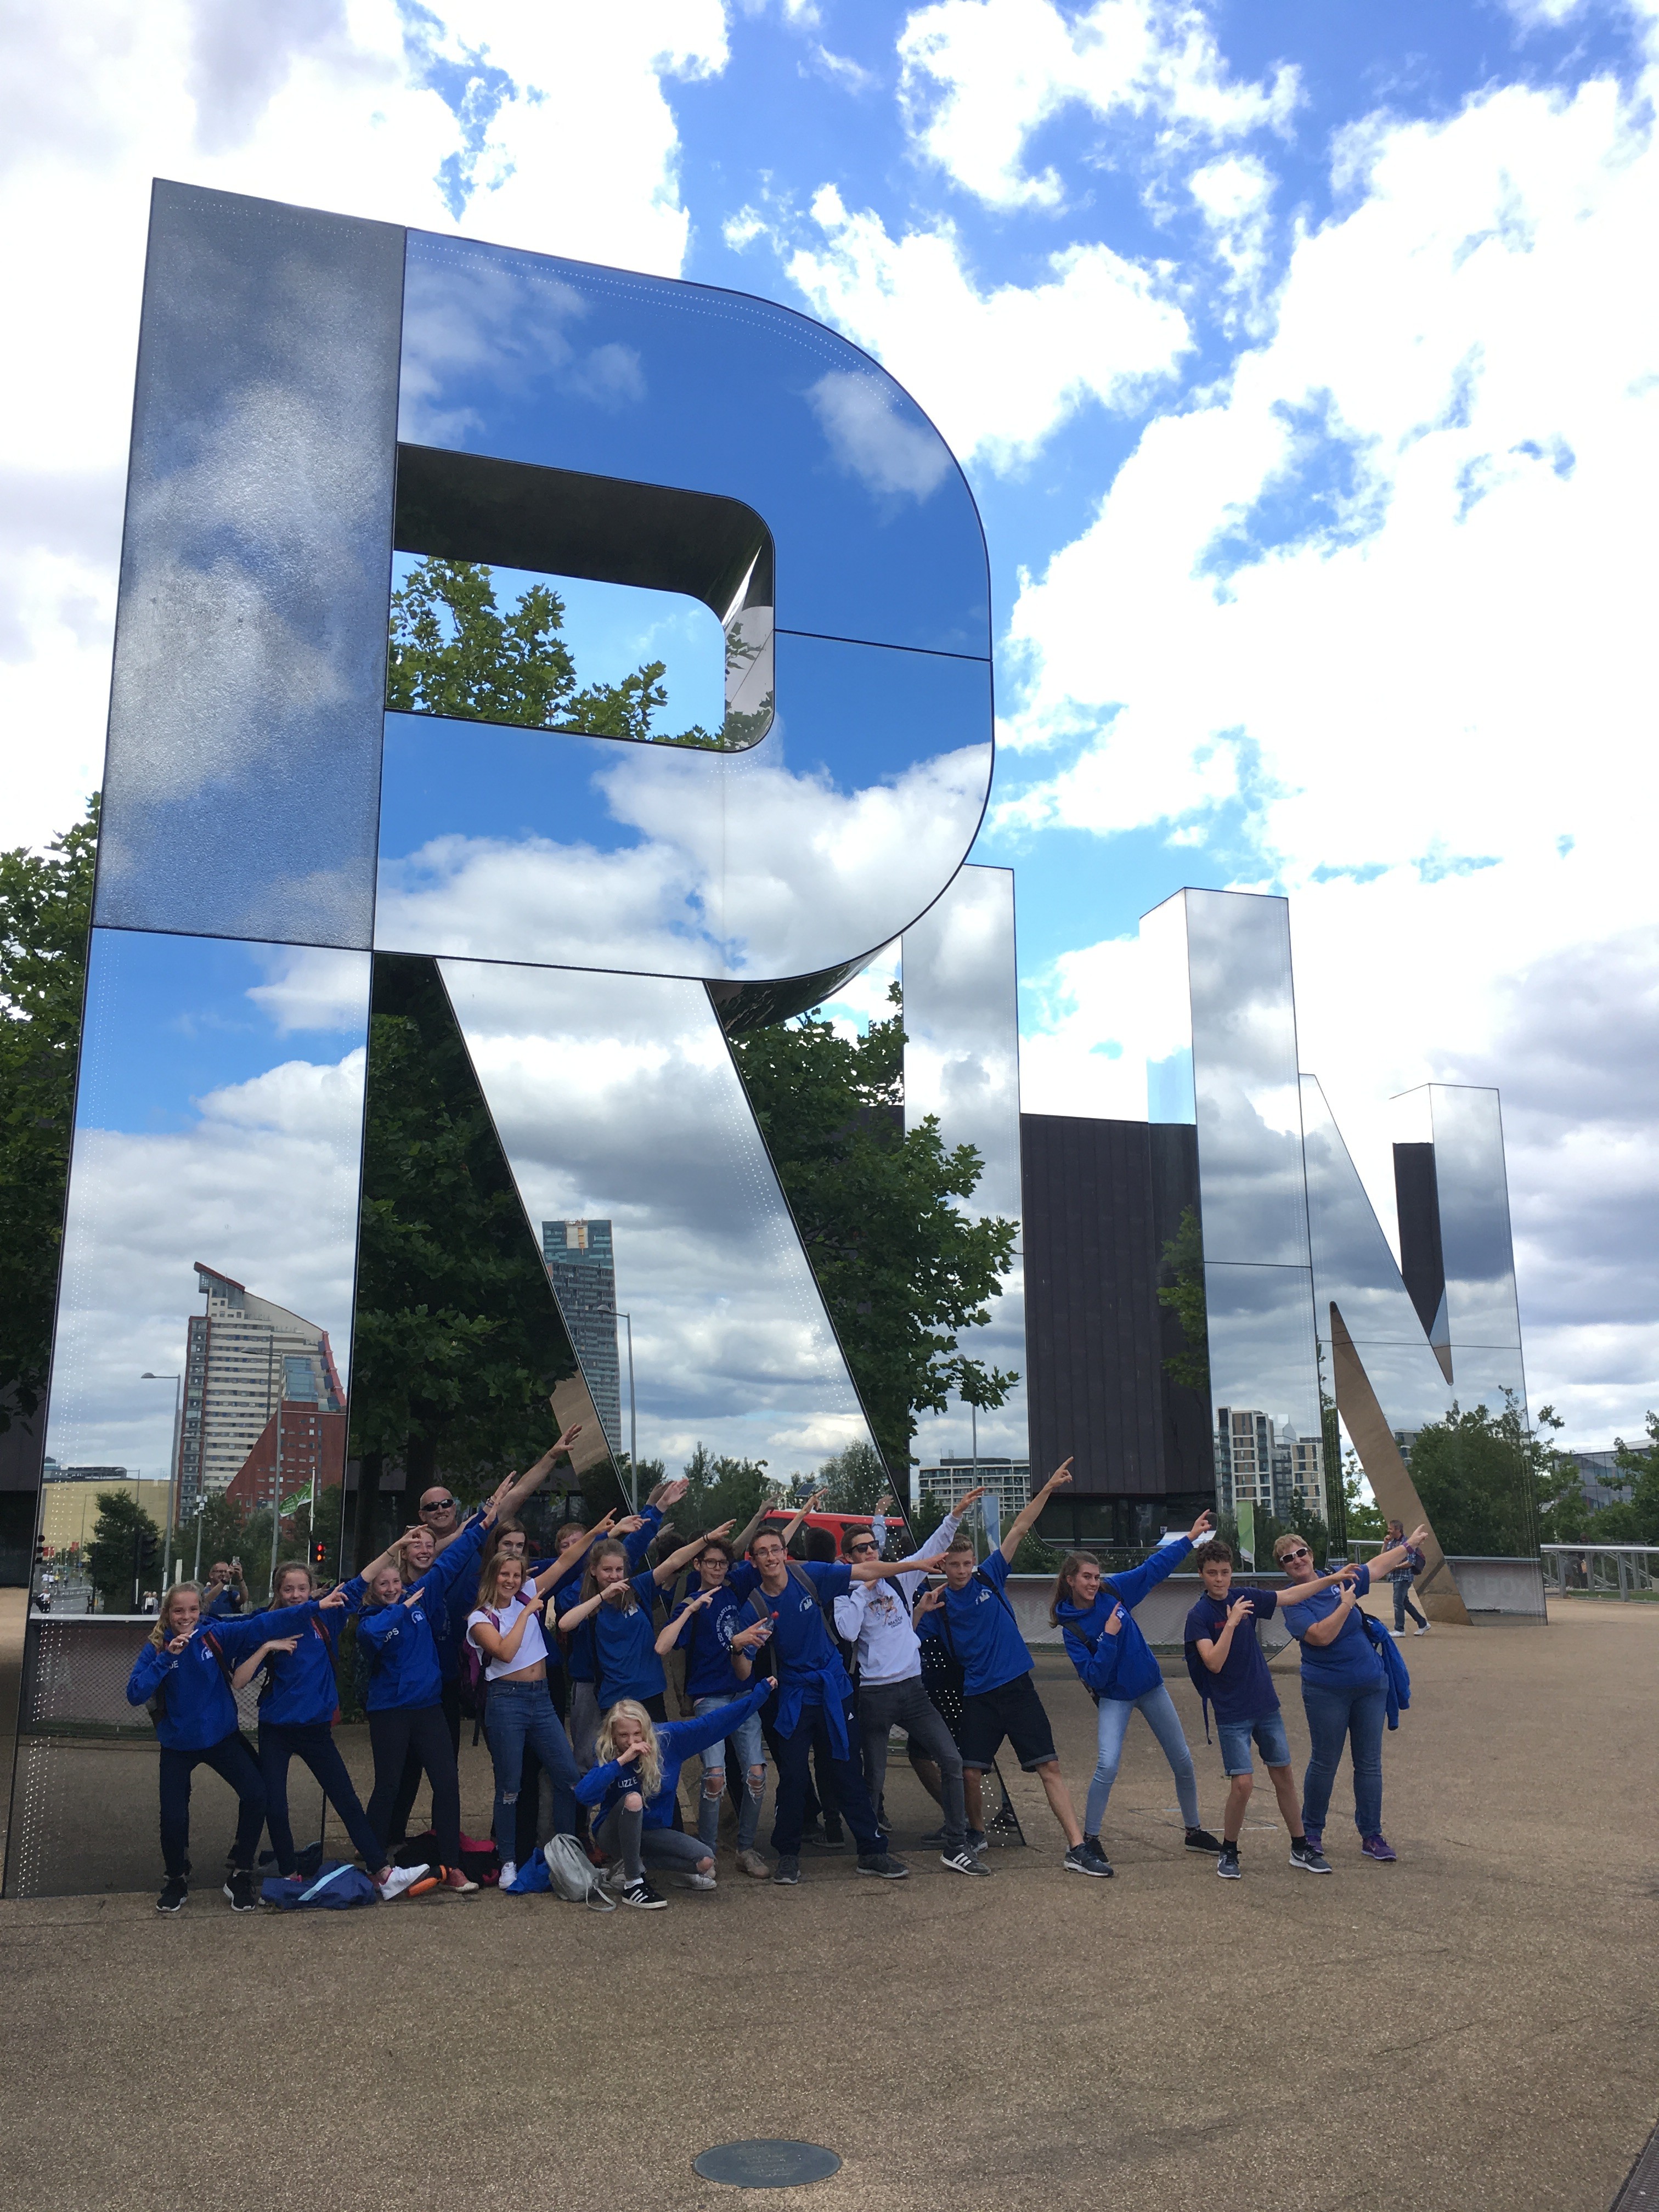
[(1470, 2028)]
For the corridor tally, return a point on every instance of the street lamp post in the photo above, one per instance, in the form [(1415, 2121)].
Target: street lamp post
[(633, 1422), (177, 1381)]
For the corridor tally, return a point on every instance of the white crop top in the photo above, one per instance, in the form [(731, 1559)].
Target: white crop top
[(532, 1645)]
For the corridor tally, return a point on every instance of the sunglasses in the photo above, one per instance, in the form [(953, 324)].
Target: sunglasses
[(1304, 1553), (860, 1551), (438, 1505)]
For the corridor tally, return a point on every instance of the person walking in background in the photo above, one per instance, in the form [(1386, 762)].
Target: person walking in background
[(1115, 1663), (294, 1646), (974, 1617), (181, 1674), (633, 1789), (710, 1626), (1229, 1671), (1402, 1577), (1345, 1687)]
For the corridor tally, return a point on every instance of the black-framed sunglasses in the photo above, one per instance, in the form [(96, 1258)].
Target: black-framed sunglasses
[(437, 1504), (859, 1551)]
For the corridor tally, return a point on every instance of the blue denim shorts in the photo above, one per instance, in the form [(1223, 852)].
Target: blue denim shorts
[(1270, 1738)]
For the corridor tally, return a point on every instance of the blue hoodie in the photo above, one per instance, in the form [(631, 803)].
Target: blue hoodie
[(604, 1786), (1120, 1667), (578, 1664), (400, 1638), (625, 1646), (198, 1709), (302, 1689)]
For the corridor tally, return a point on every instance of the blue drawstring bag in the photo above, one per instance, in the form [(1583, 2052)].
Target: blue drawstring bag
[(337, 1888), (533, 1875)]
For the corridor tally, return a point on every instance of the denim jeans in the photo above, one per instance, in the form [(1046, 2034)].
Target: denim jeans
[(515, 1714), (316, 1746), (748, 1745), (1335, 1711), (233, 1762), (623, 1835), (1404, 1604), (1113, 1725)]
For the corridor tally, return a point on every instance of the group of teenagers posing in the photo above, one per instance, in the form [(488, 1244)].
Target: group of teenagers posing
[(811, 1661)]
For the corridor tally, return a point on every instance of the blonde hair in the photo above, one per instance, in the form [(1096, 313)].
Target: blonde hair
[(1281, 1543), (162, 1633), (648, 1766), (610, 1549), (489, 1580)]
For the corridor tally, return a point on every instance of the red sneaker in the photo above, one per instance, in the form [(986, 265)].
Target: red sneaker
[(454, 1878)]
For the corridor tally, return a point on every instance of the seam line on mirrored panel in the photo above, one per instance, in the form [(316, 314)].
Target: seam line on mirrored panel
[(884, 645)]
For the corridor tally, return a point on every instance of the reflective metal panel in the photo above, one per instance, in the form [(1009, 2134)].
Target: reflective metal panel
[(219, 1120), (527, 357), (808, 851), (961, 1064), (243, 767), (1475, 1216), (616, 1099), (1264, 1387)]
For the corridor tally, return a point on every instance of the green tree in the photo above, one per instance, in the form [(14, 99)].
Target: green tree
[(452, 652), (855, 1481), (902, 1267), (1180, 1288), (1479, 1475), (1570, 1517), (721, 1489), (45, 913), (459, 1341), (112, 1556), (1360, 1515)]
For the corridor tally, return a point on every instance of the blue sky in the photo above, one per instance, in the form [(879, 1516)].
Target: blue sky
[(1303, 362)]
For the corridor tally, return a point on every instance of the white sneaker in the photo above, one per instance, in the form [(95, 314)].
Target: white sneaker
[(399, 1880), (695, 1880), (509, 1874), (1425, 1629), (1396, 1631)]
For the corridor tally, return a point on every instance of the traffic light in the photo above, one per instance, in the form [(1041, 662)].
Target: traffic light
[(319, 1551), (148, 1545)]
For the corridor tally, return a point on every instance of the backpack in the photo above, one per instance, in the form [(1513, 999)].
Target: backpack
[(338, 1886), (572, 1876), (1200, 1677), (474, 1682)]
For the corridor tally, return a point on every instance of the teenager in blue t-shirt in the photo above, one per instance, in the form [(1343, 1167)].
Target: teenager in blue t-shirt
[(815, 1698), (709, 1626), (1115, 1665), (974, 1617), (619, 1604), (1230, 1673), (1344, 1686)]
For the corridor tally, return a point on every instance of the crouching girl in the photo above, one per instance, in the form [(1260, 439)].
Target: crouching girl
[(633, 1789), (181, 1674)]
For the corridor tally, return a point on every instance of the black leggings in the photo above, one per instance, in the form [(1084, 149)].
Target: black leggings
[(233, 1761), (420, 1733), (317, 1747), (409, 1781)]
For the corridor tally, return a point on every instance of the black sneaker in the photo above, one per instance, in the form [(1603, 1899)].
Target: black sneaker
[(976, 1838), (1305, 1856), (1201, 1839), (238, 1888), (173, 1894), (963, 1861), (825, 1839), (1227, 1865), (787, 1869), (884, 1864), (640, 1894), (1088, 1858), (934, 1837)]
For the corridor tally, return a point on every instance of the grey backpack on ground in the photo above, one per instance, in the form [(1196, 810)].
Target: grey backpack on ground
[(573, 1874)]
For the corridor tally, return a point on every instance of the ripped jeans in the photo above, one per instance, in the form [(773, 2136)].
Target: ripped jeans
[(520, 1713), (748, 1746)]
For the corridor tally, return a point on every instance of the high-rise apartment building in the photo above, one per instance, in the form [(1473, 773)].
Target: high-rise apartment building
[(243, 1357), (582, 1270), (1259, 1463)]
